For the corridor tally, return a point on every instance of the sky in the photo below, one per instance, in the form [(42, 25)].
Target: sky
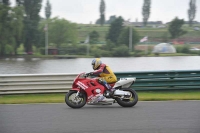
[(87, 11)]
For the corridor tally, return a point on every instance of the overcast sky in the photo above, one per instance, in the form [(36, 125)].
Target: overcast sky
[(86, 11)]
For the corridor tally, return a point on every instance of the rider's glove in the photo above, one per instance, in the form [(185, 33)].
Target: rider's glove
[(89, 74)]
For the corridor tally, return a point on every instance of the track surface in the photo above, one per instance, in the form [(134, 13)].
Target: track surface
[(145, 117)]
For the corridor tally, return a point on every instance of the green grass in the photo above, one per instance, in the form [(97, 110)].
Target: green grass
[(153, 33), (32, 98), (60, 98), (167, 95), (171, 54)]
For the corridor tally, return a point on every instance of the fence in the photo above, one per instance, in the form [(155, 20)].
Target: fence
[(35, 83), (165, 80), (59, 83)]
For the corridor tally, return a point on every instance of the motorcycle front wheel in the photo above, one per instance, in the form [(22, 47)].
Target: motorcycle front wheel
[(129, 101), (74, 101)]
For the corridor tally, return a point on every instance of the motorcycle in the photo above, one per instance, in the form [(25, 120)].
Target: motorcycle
[(86, 89)]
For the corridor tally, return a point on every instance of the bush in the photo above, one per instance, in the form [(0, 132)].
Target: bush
[(42, 51), (20, 49), (183, 49), (121, 51), (124, 37), (81, 49), (94, 37), (106, 53), (9, 50), (109, 45), (137, 53)]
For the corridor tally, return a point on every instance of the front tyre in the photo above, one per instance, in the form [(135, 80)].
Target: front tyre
[(74, 101), (128, 102)]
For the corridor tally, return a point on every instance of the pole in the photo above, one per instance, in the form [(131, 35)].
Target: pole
[(127, 23), (46, 39), (87, 42), (147, 48), (88, 49), (130, 38)]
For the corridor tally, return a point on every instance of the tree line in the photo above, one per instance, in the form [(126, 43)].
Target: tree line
[(19, 24), (117, 38), (22, 25), (146, 11)]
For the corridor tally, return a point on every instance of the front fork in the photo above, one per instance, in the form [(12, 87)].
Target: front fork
[(77, 94), (76, 89)]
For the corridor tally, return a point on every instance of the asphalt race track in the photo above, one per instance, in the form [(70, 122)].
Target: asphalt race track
[(145, 117)]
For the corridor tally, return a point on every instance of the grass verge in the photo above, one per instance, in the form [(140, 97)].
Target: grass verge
[(169, 95), (60, 98)]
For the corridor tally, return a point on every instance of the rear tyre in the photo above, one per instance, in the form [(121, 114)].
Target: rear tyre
[(74, 101), (128, 102)]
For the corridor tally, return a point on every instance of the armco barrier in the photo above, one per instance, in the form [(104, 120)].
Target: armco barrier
[(164, 80), (35, 83), (55, 83)]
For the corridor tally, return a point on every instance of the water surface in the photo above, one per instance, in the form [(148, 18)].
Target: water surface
[(78, 65)]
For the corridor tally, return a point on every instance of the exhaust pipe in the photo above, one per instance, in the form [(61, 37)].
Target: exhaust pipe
[(121, 93)]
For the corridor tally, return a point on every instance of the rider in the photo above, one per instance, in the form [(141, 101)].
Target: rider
[(104, 72)]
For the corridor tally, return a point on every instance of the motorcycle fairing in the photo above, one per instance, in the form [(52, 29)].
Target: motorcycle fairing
[(75, 89), (89, 86), (124, 82)]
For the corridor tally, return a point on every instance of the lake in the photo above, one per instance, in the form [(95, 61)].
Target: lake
[(78, 65)]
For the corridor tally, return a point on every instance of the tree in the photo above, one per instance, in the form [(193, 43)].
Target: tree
[(102, 12), (4, 32), (61, 32), (11, 25), (124, 37), (48, 10), (115, 30), (146, 11), (31, 20), (5, 2), (19, 2), (48, 14), (19, 26), (175, 28), (94, 36), (191, 11), (98, 21), (111, 19)]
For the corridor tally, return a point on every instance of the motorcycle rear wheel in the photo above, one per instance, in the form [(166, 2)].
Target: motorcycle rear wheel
[(128, 102), (74, 101)]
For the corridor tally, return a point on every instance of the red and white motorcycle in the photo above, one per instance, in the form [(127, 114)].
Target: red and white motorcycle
[(88, 90)]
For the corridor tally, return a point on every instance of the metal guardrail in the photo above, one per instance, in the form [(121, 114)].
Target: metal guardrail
[(165, 80), (35, 83), (58, 83)]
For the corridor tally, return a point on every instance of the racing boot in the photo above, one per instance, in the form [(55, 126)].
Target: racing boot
[(110, 91)]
